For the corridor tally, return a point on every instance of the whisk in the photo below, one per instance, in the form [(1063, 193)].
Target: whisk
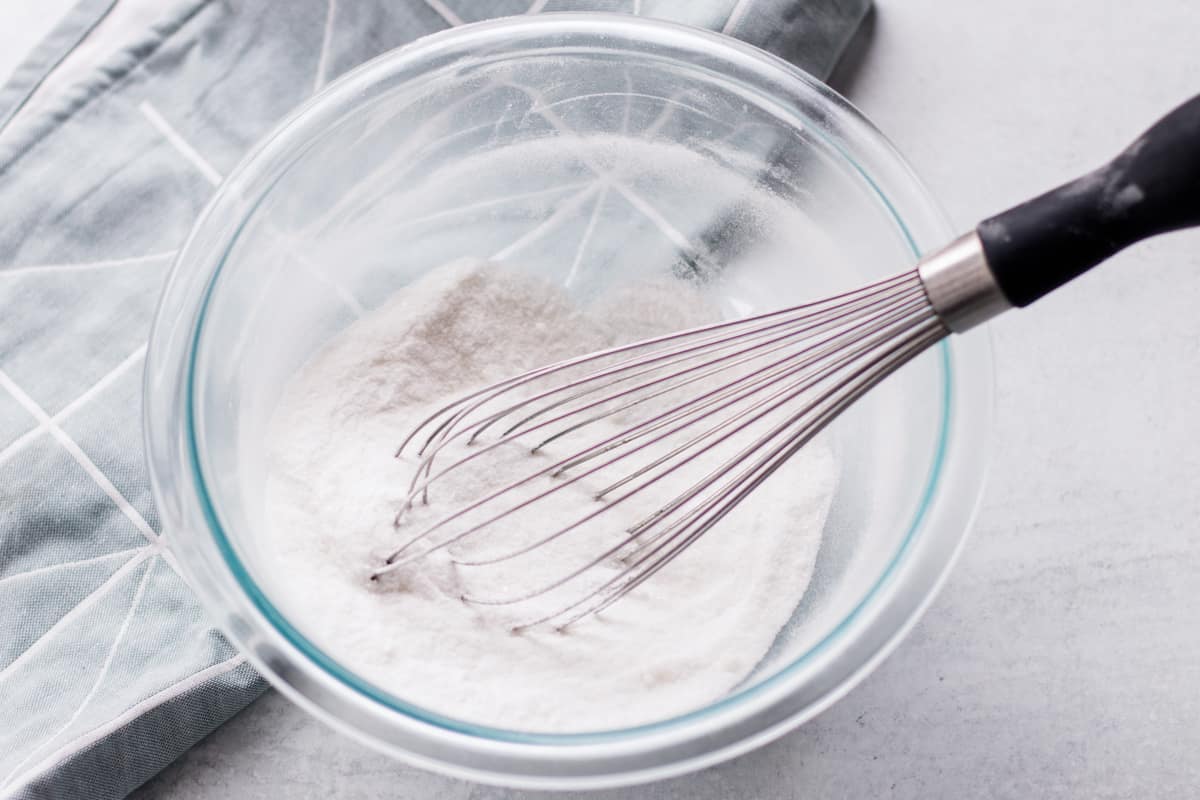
[(728, 403)]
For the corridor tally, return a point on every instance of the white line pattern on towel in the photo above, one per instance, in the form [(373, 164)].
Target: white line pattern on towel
[(77, 453), (326, 42), (13, 272), (86, 740), (18, 444), (179, 143), (100, 676)]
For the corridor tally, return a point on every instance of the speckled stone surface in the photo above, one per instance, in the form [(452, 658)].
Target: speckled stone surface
[(1062, 659)]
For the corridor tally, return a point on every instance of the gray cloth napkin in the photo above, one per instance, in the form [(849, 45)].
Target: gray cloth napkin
[(108, 667)]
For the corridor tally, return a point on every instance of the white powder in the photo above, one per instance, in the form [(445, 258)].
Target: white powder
[(678, 641)]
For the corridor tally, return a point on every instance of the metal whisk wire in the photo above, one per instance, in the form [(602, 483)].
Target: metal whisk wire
[(805, 363), (801, 366), (474, 400)]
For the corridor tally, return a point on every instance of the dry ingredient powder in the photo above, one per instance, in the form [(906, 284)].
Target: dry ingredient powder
[(680, 640)]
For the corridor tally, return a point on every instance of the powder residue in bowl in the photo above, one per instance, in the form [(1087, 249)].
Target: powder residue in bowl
[(677, 642)]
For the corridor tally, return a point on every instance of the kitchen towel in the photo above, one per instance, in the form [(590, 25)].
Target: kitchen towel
[(108, 667)]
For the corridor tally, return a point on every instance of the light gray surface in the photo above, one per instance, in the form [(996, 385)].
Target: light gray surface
[(1063, 657)]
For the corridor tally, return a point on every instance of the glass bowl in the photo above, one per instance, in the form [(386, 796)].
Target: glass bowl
[(592, 150)]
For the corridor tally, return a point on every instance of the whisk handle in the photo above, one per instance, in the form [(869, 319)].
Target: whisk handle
[(1151, 188)]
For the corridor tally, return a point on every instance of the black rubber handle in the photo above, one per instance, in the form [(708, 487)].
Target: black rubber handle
[(1151, 188)]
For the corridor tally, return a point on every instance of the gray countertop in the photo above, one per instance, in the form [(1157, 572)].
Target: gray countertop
[(1062, 658)]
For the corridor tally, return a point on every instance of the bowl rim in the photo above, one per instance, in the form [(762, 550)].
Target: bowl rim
[(735, 723)]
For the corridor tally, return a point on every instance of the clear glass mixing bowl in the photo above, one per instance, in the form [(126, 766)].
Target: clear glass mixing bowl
[(593, 150)]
